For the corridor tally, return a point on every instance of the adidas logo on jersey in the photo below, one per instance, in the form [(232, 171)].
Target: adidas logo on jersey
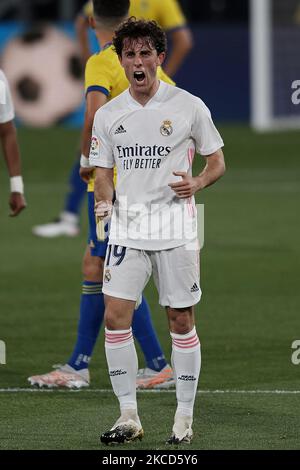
[(194, 288), (120, 130)]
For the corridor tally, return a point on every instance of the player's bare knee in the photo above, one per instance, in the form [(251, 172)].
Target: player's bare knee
[(181, 320), (118, 314), (114, 320), (111, 322)]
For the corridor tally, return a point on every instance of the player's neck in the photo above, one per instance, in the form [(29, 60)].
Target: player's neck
[(104, 37), (142, 97)]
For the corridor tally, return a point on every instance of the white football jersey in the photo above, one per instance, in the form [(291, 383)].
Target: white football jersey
[(6, 105), (147, 144)]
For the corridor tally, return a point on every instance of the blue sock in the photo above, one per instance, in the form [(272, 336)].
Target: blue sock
[(77, 192), (144, 332), (91, 317)]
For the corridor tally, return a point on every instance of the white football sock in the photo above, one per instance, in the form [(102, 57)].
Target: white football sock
[(122, 365), (186, 362)]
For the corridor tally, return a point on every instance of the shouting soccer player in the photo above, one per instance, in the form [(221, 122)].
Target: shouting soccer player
[(170, 17), (8, 137), (105, 79), (151, 133)]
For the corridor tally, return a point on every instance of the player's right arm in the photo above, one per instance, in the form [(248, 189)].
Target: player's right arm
[(101, 156), (94, 101), (97, 88), (103, 190)]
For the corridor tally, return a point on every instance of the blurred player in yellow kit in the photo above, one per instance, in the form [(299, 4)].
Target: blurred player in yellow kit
[(104, 80), (167, 13), (169, 16)]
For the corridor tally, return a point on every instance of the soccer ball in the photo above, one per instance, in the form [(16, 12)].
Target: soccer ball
[(45, 74)]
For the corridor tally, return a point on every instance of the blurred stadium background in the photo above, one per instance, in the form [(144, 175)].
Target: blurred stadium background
[(245, 66)]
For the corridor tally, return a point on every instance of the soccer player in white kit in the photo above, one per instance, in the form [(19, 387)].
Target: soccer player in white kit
[(8, 138), (150, 133)]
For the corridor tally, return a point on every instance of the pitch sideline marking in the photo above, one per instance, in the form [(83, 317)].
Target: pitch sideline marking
[(205, 392)]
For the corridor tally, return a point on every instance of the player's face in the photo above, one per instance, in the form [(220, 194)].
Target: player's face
[(140, 61)]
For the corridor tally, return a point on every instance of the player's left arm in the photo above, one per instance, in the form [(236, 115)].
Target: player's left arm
[(81, 28), (8, 137), (173, 21), (182, 43), (82, 24), (189, 185)]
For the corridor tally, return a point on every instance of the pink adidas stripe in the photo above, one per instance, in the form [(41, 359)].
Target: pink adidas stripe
[(190, 204), (118, 335), (120, 338), (185, 340), (191, 154), (188, 346), (191, 207), (186, 343)]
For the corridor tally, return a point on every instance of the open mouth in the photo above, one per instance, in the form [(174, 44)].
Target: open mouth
[(139, 76)]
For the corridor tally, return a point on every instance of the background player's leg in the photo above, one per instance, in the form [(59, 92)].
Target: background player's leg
[(91, 311), (75, 197), (67, 223), (75, 373), (157, 373), (144, 332)]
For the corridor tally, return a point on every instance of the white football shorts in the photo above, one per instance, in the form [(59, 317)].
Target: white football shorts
[(175, 271)]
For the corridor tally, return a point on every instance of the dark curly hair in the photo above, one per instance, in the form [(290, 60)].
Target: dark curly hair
[(111, 9), (133, 29)]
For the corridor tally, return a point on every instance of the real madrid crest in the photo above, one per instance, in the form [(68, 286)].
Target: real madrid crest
[(107, 275), (166, 128)]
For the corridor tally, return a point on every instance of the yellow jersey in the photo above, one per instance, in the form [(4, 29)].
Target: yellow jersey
[(167, 13), (104, 73)]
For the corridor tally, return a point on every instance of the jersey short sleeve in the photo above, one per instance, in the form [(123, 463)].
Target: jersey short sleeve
[(170, 15), (6, 105), (101, 152), (87, 9), (204, 132), (98, 75), (167, 13)]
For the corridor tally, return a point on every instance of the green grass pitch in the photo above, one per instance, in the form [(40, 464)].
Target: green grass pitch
[(247, 319)]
